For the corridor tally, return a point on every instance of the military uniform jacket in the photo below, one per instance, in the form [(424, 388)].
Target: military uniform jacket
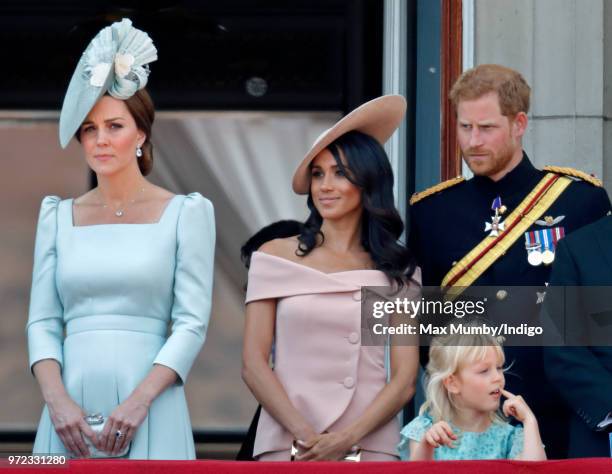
[(583, 375), (446, 226)]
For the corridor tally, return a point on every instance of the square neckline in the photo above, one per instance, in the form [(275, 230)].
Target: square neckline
[(161, 217)]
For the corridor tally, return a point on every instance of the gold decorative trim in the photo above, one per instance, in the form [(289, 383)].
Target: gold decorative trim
[(575, 173), (480, 258), (416, 197)]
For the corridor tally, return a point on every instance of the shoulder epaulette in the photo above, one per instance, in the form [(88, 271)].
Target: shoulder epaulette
[(416, 197), (575, 173)]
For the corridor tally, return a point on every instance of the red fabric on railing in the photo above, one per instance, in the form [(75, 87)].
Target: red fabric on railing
[(107, 466)]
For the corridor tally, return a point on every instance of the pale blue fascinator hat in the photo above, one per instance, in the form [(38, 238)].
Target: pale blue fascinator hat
[(116, 61)]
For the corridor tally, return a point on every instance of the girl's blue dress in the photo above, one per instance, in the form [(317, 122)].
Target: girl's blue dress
[(499, 441)]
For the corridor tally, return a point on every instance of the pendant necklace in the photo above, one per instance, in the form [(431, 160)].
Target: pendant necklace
[(120, 211)]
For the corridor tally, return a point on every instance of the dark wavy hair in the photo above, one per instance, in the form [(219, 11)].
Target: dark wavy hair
[(368, 169)]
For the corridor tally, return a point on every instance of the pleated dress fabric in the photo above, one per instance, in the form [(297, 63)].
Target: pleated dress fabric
[(108, 301), (329, 376)]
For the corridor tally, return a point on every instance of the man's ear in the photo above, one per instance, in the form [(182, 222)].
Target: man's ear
[(519, 124)]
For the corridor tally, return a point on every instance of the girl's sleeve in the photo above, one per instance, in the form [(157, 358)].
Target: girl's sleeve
[(516, 442), (415, 430)]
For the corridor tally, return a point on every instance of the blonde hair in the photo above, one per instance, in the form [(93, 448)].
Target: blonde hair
[(447, 355)]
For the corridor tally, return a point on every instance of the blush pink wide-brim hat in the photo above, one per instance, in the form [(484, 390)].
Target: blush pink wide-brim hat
[(378, 118)]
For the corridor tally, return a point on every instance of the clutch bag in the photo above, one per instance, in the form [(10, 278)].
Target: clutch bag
[(96, 423)]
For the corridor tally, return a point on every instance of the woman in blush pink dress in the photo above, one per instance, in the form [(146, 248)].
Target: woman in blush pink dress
[(329, 396)]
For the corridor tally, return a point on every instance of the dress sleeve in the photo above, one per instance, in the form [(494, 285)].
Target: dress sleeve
[(45, 327), (415, 430), (261, 282), (515, 443), (193, 283)]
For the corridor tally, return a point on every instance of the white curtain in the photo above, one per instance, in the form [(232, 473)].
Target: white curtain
[(243, 162)]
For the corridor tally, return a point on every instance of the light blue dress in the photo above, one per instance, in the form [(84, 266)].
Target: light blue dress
[(499, 441), (103, 300)]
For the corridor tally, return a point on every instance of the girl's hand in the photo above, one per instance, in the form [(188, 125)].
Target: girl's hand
[(69, 423), (121, 425), (326, 447), (440, 434), (516, 406)]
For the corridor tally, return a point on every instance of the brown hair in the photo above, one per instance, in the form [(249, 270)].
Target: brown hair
[(510, 86), (141, 108)]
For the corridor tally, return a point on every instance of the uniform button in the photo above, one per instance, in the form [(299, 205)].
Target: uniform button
[(349, 382), (357, 295), (501, 295), (353, 338)]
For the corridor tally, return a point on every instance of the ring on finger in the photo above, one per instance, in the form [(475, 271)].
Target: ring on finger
[(121, 442)]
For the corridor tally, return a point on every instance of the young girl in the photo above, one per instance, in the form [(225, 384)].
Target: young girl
[(460, 418)]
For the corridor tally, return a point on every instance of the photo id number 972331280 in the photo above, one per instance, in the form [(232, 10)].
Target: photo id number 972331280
[(51, 460)]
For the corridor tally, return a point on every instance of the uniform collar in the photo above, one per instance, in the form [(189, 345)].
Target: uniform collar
[(517, 180)]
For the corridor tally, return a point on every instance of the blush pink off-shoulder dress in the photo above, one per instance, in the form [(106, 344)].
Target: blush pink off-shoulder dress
[(327, 374)]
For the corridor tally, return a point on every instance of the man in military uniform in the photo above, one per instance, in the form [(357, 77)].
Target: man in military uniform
[(500, 227), (583, 375)]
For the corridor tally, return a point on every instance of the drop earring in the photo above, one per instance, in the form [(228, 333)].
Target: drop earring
[(138, 152)]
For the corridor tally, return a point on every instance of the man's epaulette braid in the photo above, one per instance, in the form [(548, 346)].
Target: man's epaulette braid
[(574, 173), (416, 197)]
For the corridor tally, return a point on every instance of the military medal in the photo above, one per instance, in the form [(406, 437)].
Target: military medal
[(548, 256), (496, 226), (534, 254), (540, 245), (549, 221)]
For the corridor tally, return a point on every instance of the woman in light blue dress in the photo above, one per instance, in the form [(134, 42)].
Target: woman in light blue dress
[(122, 280)]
